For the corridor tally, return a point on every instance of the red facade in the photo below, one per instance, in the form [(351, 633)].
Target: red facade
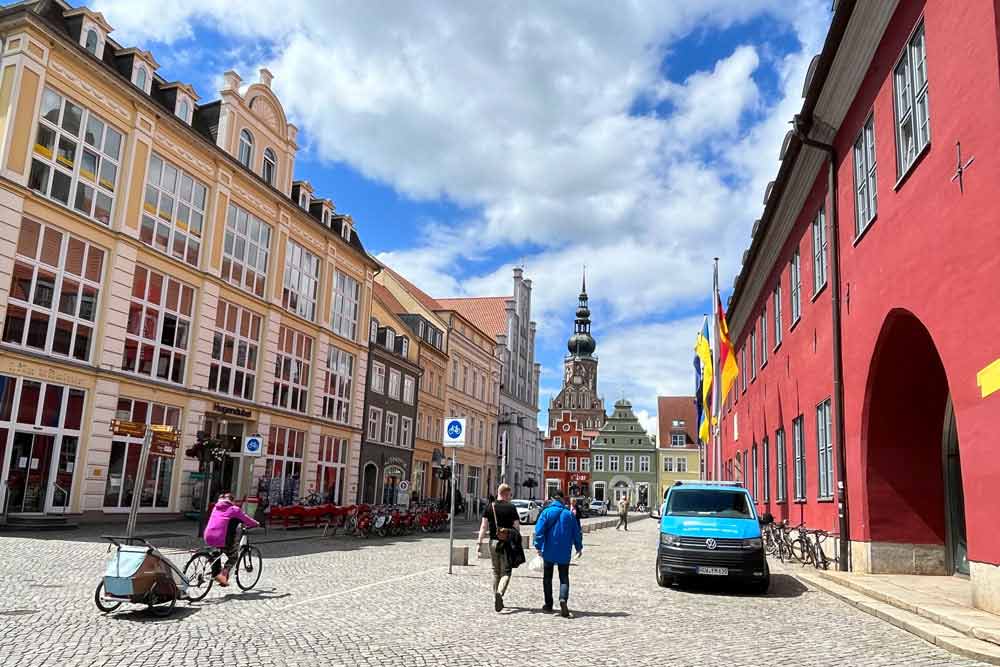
[(918, 300), (567, 457)]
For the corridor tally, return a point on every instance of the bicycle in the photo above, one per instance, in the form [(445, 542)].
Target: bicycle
[(247, 568), (820, 559), (801, 547)]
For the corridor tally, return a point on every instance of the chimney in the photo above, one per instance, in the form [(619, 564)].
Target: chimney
[(266, 76), (231, 81)]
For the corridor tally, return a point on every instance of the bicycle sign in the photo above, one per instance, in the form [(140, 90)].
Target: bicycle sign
[(454, 433), (253, 445)]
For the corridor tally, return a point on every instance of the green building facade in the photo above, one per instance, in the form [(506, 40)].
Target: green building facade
[(624, 460)]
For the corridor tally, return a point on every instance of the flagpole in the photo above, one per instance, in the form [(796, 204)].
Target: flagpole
[(716, 375)]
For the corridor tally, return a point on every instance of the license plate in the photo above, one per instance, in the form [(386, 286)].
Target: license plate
[(716, 571)]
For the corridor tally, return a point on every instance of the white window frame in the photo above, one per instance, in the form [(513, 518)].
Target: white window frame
[(374, 430), (763, 335), (584, 465), (409, 389), (173, 211), (246, 246), (301, 281), (571, 464), (347, 297), (824, 449), (552, 463), (865, 181), (405, 432), (795, 290), (391, 422), (799, 458), (338, 385), (776, 302), (743, 365), (288, 451), (643, 464), (598, 462), (243, 333), (629, 465), (753, 352), (612, 463), (373, 331), (269, 166), (678, 440), (765, 450), (910, 101), (378, 377), (819, 251), (780, 466), (160, 469), (147, 326), (101, 181), (246, 147), (395, 378), (755, 468), (668, 464), (333, 453), (682, 464), (142, 84), (292, 370)]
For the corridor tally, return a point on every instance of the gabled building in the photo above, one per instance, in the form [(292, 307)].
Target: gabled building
[(679, 455), (623, 459), (567, 458)]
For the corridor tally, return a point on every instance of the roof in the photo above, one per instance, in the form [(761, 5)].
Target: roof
[(488, 313), (385, 297), (425, 299), (669, 408)]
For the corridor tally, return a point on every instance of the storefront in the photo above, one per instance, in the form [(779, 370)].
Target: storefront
[(382, 470), (230, 425), (123, 475), (331, 469)]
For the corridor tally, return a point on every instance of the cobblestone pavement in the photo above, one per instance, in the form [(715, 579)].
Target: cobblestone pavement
[(391, 602)]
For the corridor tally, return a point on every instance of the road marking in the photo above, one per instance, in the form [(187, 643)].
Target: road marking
[(359, 588)]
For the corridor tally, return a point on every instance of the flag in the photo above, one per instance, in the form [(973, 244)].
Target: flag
[(725, 357), (703, 379)]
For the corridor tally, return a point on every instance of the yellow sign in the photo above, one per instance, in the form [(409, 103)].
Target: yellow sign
[(133, 429), (988, 379)]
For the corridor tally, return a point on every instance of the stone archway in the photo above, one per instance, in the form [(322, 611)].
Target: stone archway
[(903, 428)]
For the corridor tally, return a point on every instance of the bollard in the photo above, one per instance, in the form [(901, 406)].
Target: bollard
[(460, 555)]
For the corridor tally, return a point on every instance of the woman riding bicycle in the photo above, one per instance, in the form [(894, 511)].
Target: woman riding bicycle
[(221, 533)]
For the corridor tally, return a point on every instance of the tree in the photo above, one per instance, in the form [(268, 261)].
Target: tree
[(530, 484), (207, 450)]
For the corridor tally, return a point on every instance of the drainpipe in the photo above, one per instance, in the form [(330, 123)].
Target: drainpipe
[(801, 129)]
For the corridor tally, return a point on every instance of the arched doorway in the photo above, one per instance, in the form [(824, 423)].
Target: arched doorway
[(368, 484), (391, 478), (915, 511)]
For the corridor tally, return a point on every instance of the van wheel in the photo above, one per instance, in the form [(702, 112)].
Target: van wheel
[(663, 580)]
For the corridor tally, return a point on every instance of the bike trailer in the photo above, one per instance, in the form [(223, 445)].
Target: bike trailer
[(135, 571)]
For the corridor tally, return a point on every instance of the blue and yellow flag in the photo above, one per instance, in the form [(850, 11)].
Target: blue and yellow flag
[(703, 381)]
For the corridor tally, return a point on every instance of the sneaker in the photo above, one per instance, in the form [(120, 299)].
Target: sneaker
[(547, 608), (222, 580), (498, 602), (563, 609)]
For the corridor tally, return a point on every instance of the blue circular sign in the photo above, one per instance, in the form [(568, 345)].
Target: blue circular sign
[(253, 445), (454, 429)]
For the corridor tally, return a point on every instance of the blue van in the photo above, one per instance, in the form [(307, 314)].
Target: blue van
[(711, 530)]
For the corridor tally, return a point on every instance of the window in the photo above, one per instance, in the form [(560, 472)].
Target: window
[(678, 440), (234, 351), (391, 419), (338, 385), (781, 473), (301, 281), (613, 463), (795, 274), (668, 464), (736, 426), (454, 373), (682, 464), (865, 188), (331, 468), (292, 366), (912, 112), (776, 301), (599, 463), (394, 378), (743, 365), (246, 149), (283, 464), (766, 452), (183, 111), (79, 175), (571, 464), (346, 293), (140, 78), (574, 442), (123, 465), (755, 473), (404, 346), (269, 166), (819, 251), (390, 339), (553, 463), (763, 336), (753, 354), (378, 377), (643, 464), (409, 390), (629, 464), (54, 287), (173, 211), (799, 459), (244, 251), (91, 41), (374, 424), (584, 465), (405, 432), (373, 331), (465, 379), (824, 446), (159, 326)]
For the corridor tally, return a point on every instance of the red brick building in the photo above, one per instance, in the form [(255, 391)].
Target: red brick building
[(865, 314), (567, 457)]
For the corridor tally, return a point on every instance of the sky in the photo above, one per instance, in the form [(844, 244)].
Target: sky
[(466, 138)]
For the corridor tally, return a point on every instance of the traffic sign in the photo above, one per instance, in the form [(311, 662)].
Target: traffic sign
[(404, 485), (454, 432), (253, 445)]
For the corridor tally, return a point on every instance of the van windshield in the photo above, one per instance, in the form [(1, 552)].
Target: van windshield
[(709, 502)]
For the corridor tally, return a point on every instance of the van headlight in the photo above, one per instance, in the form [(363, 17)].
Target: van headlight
[(670, 540), (752, 543)]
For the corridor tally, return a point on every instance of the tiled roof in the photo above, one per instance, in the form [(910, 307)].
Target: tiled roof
[(669, 408), (425, 299), (489, 313), (385, 297)]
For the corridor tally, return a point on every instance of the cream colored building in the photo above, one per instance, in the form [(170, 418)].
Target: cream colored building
[(159, 263)]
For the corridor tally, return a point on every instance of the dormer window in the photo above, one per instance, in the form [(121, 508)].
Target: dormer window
[(390, 339), (139, 79), (345, 230), (246, 148), (404, 347), (326, 218), (91, 41), (184, 110), (303, 200), (269, 167), (373, 331)]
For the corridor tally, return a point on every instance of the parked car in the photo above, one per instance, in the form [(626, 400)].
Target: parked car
[(527, 510), (599, 507)]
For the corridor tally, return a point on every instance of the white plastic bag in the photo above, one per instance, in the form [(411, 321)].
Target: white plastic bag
[(537, 564)]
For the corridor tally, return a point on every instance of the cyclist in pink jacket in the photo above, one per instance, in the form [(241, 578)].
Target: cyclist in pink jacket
[(221, 533)]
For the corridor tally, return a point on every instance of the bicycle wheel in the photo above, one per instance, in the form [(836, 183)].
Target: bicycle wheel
[(198, 573), (248, 568), (801, 551), (106, 607), (163, 608)]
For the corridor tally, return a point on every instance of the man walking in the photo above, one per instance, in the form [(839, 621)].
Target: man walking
[(500, 521), (556, 533), (622, 513)]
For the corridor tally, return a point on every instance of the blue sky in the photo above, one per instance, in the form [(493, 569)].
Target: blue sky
[(465, 138)]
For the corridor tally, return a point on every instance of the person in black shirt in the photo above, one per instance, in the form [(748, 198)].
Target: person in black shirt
[(499, 521)]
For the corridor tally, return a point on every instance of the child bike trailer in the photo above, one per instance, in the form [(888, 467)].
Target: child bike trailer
[(141, 575)]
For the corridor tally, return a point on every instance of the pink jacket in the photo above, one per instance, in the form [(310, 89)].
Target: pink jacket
[(224, 512)]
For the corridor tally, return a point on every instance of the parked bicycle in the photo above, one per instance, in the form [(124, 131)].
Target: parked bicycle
[(819, 557), (247, 568)]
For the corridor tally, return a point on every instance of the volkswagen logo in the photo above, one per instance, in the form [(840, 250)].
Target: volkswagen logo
[(710, 543)]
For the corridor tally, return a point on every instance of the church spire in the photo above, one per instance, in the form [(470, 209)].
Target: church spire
[(581, 343)]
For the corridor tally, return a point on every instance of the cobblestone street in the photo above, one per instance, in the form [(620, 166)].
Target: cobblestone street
[(379, 602)]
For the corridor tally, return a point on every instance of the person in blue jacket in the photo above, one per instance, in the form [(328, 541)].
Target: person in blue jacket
[(556, 533)]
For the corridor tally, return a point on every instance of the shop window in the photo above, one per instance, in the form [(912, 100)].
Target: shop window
[(159, 326), (283, 464), (301, 281), (337, 386), (245, 249), (347, 295), (236, 338), (173, 211), (75, 158), (123, 466), (331, 468), (53, 300), (292, 370)]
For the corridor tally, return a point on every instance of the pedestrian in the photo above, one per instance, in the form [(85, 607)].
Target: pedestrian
[(556, 533), (622, 513), (576, 512), (501, 523)]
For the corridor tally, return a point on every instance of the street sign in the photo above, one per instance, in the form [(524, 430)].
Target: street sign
[(253, 445), (133, 429), (197, 475), (454, 433), (404, 485)]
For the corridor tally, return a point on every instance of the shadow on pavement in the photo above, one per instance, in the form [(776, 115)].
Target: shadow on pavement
[(782, 586), (576, 612), (248, 595), (143, 615)]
